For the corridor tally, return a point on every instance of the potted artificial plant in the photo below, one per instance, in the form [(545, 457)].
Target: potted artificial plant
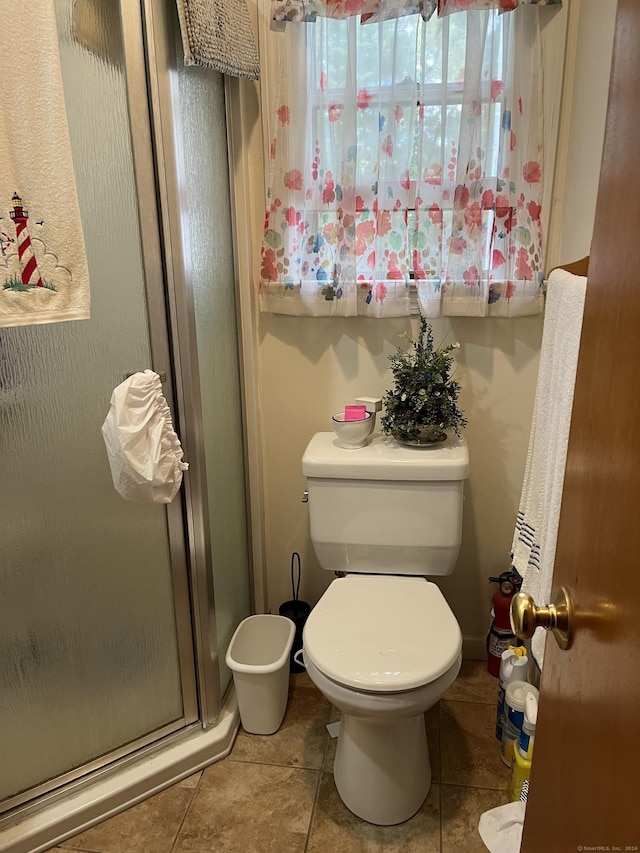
[(423, 405)]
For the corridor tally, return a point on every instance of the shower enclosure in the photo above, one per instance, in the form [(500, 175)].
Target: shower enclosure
[(114, 616)]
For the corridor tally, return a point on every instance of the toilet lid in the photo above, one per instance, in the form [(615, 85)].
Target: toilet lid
[(382, 634)]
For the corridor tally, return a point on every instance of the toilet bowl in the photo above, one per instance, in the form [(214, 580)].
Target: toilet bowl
[(382, 643), (383, 650)]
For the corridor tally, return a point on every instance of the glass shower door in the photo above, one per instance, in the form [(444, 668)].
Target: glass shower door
[(93, 659), (203, 170)]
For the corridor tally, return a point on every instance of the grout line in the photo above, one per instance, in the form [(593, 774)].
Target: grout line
[(271, 764), (476, 787), (317, 795), (327, 742), (465, 701), (186, 811), (440, 779)]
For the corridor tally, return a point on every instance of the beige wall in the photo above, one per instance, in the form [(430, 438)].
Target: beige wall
[(301, 370), (590, 35)]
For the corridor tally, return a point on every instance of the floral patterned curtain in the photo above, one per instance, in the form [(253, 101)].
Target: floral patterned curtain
[(405, 151), (372, 11), (383, 10)]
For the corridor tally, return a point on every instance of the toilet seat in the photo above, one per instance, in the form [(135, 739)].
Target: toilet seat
[(382, 634)]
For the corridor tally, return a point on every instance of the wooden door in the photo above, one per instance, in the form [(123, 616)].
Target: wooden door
[(585, 782)]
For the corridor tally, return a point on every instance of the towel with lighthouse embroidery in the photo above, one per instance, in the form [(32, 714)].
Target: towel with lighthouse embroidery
[(43, 268)]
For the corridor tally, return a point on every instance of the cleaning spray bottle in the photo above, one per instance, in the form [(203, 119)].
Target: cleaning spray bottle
[(521, 762), (513, 667)]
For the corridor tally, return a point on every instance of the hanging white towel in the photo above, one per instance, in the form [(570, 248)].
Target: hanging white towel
[(534, 541), (43, 267)]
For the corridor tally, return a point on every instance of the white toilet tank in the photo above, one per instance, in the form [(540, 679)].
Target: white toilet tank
[(386, 508)]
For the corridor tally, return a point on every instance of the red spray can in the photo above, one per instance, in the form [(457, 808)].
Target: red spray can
[(500, 635)]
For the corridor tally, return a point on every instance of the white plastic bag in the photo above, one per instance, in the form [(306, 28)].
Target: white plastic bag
[(144, 452)]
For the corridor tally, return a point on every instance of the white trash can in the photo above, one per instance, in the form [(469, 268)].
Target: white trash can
[(258, 656)]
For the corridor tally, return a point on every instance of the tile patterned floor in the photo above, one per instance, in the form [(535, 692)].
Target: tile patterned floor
[(277, 794)]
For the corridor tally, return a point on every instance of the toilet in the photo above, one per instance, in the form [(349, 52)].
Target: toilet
[(382, 644)]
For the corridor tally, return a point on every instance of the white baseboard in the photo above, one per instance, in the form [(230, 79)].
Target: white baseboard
[(40, 826)]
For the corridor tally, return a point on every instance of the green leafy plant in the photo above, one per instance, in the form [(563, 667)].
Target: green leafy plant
[(424, 402)]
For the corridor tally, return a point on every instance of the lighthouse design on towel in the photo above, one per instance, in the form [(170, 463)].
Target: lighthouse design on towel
[(44, 276), (29, 272)]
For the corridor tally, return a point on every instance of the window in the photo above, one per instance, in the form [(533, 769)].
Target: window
[(408, 152)]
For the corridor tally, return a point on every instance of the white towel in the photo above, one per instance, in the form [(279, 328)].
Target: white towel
[(43, 267), (534, 541)]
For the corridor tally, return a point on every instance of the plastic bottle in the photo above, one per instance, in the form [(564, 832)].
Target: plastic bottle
[(522, 754), (515, 697), (513, 667)]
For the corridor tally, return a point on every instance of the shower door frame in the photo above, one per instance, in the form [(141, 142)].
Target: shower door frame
[(173, 354), (172, 315), (156, 152)]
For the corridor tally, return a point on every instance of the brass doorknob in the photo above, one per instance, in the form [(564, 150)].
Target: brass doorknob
[(558, 616)]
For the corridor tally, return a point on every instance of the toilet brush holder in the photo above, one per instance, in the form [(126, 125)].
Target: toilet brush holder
[(297, 611)]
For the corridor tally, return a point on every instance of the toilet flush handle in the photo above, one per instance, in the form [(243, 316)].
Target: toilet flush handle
[(305, 497)]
